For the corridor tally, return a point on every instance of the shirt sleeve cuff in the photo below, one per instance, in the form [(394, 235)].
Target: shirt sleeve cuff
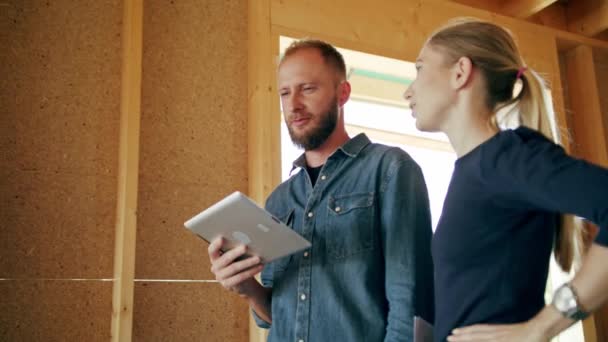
[(602, 236), (260, 322)]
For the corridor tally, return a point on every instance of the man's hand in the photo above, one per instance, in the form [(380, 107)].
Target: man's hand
[(236, 276)]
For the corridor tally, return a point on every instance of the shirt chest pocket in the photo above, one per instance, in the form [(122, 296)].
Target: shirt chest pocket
[(350, 224)]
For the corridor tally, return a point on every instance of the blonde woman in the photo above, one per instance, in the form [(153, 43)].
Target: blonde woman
[(503, 214)]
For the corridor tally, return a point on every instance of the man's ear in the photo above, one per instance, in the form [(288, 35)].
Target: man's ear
[(462, 72), (343, 93)]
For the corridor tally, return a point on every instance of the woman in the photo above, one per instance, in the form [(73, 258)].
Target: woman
[(502, 215)]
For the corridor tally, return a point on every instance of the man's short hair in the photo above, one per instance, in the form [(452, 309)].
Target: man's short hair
[(330, 54)]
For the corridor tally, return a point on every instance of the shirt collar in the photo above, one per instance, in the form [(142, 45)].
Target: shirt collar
[(350, 148)]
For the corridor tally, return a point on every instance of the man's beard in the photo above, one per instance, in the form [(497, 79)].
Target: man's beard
[(319, 134)]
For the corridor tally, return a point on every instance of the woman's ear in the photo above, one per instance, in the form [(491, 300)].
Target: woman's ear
[(462, 72)]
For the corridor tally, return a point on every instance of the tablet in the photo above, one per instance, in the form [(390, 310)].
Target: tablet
[(240, 221), (423, 330)]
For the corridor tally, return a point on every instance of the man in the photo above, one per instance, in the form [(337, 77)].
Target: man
[(363, 206)]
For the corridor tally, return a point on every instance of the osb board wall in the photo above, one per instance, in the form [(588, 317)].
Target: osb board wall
[(60, 86), (60, 96), (39, 310), (188, 312), (193, 128), (193, 153)]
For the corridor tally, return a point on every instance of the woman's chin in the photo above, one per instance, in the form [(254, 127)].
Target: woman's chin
[(420, 126)]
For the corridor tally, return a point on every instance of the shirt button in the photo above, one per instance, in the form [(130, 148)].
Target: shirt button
[(303, 296), (306, 254), (338, 209), (322, 178), (310, 214)]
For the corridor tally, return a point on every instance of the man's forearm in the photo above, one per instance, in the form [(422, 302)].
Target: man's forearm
[(260, 301)]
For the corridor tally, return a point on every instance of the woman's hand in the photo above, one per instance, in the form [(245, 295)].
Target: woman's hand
[(498, 333)]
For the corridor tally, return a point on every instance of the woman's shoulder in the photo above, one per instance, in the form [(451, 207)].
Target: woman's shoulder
[(521, 141)]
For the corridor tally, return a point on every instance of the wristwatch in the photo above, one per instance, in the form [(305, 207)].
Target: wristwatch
[(565, 300)]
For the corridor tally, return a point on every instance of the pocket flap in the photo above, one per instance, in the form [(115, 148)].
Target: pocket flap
[(343, 204)]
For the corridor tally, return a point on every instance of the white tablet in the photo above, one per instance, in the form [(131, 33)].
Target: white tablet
[(240, 221)]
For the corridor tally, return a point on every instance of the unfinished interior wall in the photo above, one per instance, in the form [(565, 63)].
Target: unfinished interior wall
[(59, 125), (193, 153), (60, 86)]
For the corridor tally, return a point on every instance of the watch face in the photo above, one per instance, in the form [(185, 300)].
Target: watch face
[(564, 299)]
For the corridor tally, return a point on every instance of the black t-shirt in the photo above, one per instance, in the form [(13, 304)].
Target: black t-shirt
[(493, 242), (313, 173)]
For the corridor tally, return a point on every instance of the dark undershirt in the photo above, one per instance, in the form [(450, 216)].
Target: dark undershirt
[(313, 173)]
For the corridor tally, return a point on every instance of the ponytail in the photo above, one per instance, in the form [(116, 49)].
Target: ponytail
[(536, 112)]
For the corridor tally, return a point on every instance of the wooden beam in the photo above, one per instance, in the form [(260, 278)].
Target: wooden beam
[(585, 101), (263, 111), (126, 208), (400, 138), (486, 5), (589, 133), (553, 16), (587, 17), (524, 8), (264, 134), (557, 96), (513, 8)]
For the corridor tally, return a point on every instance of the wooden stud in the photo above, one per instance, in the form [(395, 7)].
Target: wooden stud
[(584, 97), (589, 131), (264, 118), (126, 211), (264, 135)]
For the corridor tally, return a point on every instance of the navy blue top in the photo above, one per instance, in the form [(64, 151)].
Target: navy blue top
[(494, 239)]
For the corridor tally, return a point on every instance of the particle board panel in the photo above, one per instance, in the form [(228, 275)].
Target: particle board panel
[(39, 310), (61, 80), (193, 127), (166, 311), (194, 113), (60, 64), (56, 225), (165, 249)]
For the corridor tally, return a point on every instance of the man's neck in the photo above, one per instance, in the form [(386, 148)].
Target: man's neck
[(318, 156)]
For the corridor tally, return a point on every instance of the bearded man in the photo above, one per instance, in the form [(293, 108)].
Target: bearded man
[(363, 206)]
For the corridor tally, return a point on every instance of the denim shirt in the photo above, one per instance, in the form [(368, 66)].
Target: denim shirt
[(369, 270)]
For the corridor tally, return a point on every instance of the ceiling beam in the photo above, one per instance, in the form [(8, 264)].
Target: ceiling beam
[(524, 8), (587, 17)]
